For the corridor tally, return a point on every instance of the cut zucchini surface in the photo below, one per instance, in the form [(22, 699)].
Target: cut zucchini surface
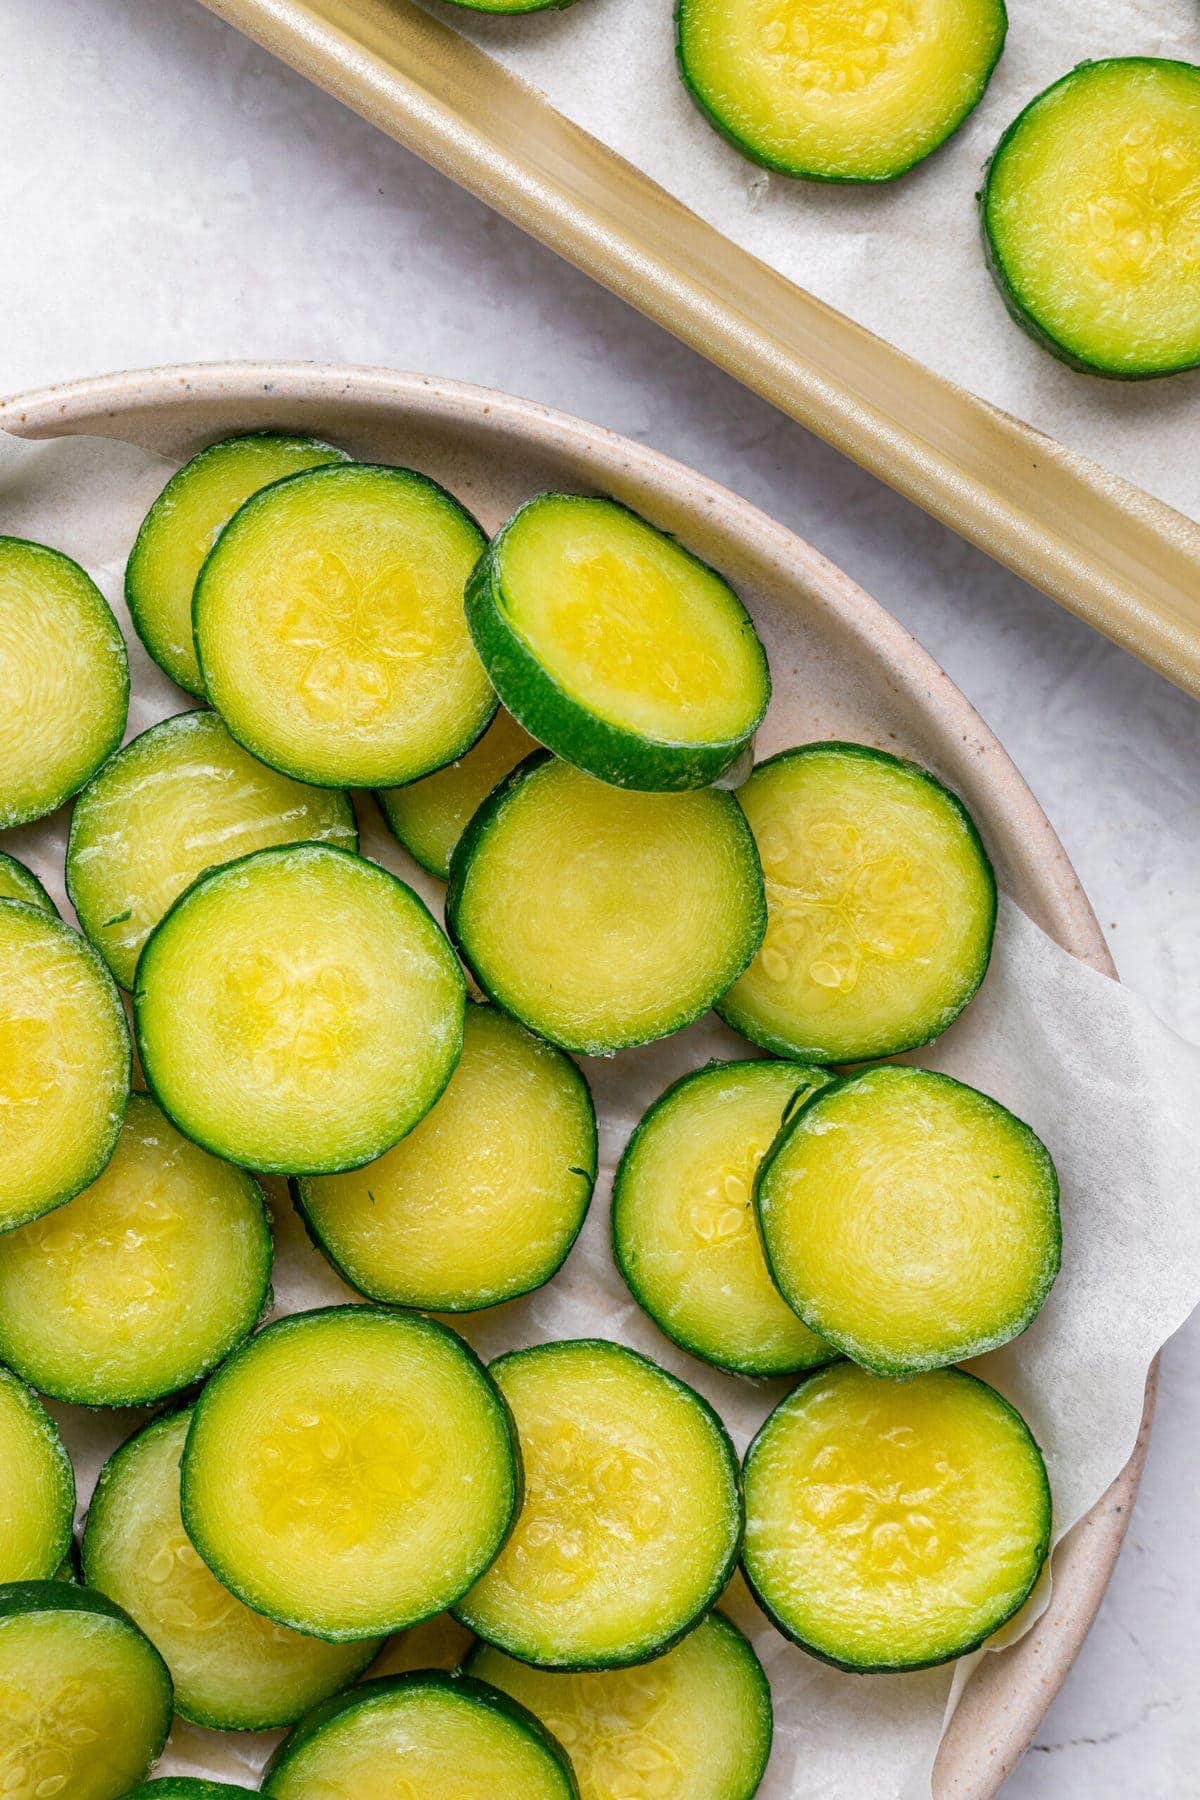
[(1091, 217), (684, 1232), (893, 1525), (330, 630), (19, 883), (429, 816), (838, 90), (632, 1516), (910, 1220), (881, 906), (350, 1472), (298, 1011), (233, 1669), (484, 1198), (181, 527), (64, 1064), (180, 799), (614, 646), (64, 680), (143, 1282), (604, 918), (37, 1488)]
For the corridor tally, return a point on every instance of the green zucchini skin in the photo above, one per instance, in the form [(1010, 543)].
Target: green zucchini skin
[(21, 884), (513, 11), (61, 1551), (184, 1787)]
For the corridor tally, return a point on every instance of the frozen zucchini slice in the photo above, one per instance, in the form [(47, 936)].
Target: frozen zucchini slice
[(632, 1517), (881, 906), (350, 1472), (910, 1220), (142, 1283), (64, 680), (892, 1525), (298, 1011), (330, 630), (85, 1699), (184, 1787), (684, 1232), (484, 1198), (180, 799), (615, 647), (429, 816), (604, 918), (440, 1736), (233, 1669), (64, 1064), (437, 1643), (37, 1489), (181, 527), (694, 1723), (19, 883), (851, 91)]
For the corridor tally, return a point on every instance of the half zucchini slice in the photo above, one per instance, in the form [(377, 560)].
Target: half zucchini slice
[(37, 1487)]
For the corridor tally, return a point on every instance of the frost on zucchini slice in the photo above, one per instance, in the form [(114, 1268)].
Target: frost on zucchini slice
[(910, 1220), (484, 1198), (350, 1472), (684, 1231), (64, 1064), (429, 816), (892, 1525), (298, 1011), (19, 883), (181, 798), (233, 1669), (181, 527), (85, 1699), (64, 680), (604, 918), (1090, 217), (614, 646), (143, 1282), (330, 630), (632, 1517), (881, 906), (37, 1489)]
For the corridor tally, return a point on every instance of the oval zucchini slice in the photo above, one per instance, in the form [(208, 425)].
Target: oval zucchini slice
[(881, 906), (599, 917), (181, 527), (184, 1787), (233, 1669), (37, 1489), (142, 1283), (64, 680), (484, 1198), (181, 798), (696, 1722), (685, 1236), (330, 630), (19, 883), (615, 647), (894, 1525), (632, 1516), (350, 1471), (298, 1011), (910, 1220), (64, 1064), (429, 816)]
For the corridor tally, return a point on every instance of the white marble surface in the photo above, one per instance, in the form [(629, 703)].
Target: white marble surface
[(168, 193)]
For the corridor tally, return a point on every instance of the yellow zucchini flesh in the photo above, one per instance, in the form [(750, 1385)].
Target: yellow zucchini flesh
[(19, 883), (37, 1488), (437, 1643), (429, 816)]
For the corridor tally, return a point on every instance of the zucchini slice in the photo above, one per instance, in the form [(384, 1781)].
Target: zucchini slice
[(429, 816), (881, 906), (599, 917), (437, 1643), (142, 1283), (330, 631), (181, 527), (64, 1064), (484, 1198), (910, 1220), (181, 798), (85, 1699), (184, 1787), (298, 1010), (64, 680), (350, 1471), (685, 1236), (429, 1734), (1090, 217), (632, 1516), (37, 1489), (19, 883), (850, 91), (696, 1722), (614, 646), (894, 1525), (233, 1669)]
